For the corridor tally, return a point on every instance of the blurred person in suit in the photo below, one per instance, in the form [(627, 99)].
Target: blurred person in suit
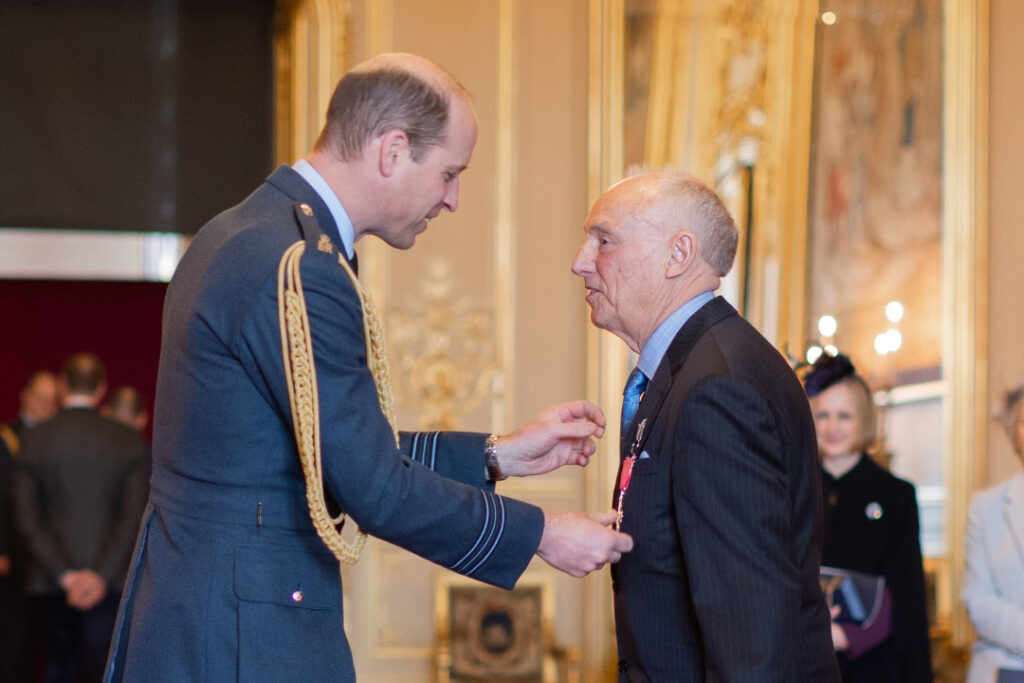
[(718, 484), (37, 403), (993, 590), (126, 405), (871, 527), (78, 496)]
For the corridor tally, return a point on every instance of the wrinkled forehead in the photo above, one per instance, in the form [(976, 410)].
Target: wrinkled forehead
[(624, 206)]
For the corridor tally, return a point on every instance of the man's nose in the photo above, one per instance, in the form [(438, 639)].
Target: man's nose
[(451, 195), (583, 263)]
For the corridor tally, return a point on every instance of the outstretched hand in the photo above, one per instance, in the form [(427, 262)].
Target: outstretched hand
[(561, 435), (577, 543)]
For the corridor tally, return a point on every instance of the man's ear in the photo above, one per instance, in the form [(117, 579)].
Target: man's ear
[(682, 253), (394, 147)]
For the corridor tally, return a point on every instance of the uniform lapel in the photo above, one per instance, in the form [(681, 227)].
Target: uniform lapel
[(318, 220)]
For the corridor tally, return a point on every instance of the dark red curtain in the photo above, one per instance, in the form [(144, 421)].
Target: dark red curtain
[(44, 321)]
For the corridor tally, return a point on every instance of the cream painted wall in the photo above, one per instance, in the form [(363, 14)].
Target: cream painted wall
[(1006, 232)]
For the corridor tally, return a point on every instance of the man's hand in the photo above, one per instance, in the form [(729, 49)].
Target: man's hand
[(84, 588), (577, 543), (561, 435)]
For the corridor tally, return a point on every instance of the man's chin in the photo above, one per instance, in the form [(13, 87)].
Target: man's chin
[(404, 241)]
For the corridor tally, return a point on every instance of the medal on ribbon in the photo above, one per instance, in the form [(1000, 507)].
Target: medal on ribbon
[(626, 473)]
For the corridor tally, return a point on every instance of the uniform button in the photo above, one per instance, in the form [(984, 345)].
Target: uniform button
[(623, 665), (297, 596), (306, 209)]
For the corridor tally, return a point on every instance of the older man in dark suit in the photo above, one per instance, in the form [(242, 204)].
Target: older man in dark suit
[(274, 413), (78, 495), (719, 483)]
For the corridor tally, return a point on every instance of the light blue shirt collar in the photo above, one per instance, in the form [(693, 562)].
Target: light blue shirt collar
[(655, 347), (345, 228)]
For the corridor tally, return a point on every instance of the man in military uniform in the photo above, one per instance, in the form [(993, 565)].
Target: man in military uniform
[(274, 412)]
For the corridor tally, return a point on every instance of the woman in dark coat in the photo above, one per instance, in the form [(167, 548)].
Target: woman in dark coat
[(871, 526)]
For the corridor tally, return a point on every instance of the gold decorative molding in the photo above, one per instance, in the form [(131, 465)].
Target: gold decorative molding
[(380, 22), (375, 257), (505, 252), (311, 45), (443, 350), (730, 90), (965, 272), (607, 357)]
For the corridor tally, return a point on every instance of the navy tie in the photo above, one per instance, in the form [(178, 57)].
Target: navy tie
[(635, 386)]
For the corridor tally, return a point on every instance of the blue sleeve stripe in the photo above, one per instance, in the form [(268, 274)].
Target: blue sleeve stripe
[(415, 443), (424, 448), (496, 533), (469, 553), (490, 535)]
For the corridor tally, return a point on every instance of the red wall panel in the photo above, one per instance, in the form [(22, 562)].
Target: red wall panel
[(44, 321)]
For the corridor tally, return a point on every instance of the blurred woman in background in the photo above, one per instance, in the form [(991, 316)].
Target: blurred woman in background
[(871, 527)]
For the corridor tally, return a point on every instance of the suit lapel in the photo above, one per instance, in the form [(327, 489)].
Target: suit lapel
[(707, 315)]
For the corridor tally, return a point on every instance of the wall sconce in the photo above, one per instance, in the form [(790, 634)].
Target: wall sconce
[(827, 326), (890, 340)]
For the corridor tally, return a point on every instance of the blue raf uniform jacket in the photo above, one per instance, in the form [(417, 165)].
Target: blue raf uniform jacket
[(229, 581)]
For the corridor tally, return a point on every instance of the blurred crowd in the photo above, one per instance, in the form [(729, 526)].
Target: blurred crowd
[(73, 485)]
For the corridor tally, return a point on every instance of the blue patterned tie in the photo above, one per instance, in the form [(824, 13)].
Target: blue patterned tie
[(635, 386)]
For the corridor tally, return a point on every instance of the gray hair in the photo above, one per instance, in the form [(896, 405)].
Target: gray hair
[(369, 103), (686, 202)]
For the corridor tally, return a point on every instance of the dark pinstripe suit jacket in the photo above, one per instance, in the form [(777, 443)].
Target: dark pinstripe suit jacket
[(725, 514), (227, 541)]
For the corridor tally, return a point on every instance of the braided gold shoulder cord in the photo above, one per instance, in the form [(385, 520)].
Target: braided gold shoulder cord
[(300, 371)]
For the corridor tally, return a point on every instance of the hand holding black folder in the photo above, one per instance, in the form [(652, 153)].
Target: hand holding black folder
[(858, 595)]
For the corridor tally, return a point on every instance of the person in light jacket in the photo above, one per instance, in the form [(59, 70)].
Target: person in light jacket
[(994, 584)]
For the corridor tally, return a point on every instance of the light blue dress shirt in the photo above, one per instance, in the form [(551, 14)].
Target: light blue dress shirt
[(655, 347), (345, 228)]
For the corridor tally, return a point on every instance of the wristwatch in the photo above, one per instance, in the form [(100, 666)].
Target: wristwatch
[(494, 472)]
